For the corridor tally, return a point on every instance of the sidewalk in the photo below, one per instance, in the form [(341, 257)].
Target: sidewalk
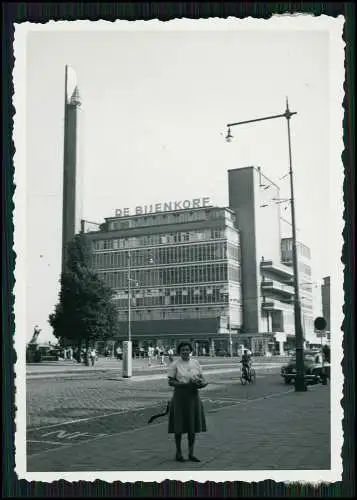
[(72, 366), (139, 372), (288, 430)]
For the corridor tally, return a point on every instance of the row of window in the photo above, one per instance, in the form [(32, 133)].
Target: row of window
[(166, 255), (305, 288), (281, 320), (170, 218), (159, 239), (308, 324), (204, 273), (176, 314), (304, 269), (306, 305), (177, 296), (287, 248), (304, 250), (233, 289)]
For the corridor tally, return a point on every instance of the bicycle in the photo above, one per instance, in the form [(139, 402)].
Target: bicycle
[(248, 375)]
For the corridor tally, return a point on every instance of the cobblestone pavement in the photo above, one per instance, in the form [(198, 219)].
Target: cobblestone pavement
[(52, 401), (258, 427)]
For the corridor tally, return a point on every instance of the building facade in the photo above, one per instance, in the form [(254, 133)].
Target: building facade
[(305, 282), (267, 274), (219, 277), (184, 269)]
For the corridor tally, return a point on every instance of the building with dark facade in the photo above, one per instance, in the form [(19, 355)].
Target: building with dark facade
[(185, 275)]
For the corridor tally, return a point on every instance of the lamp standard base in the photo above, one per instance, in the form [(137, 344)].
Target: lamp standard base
[(300, 385), (127, 359)]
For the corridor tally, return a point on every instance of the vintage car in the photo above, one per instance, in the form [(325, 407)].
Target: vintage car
[(314, 371)]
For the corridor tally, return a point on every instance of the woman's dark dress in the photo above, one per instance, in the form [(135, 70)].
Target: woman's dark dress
[(186, 413)]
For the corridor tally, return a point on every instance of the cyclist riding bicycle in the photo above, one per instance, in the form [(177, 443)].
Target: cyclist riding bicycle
[(246, 362)]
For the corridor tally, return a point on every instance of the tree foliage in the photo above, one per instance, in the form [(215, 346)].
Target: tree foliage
[(85, 311), (326, 352)]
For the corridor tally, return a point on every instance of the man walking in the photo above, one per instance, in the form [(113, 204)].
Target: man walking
[(150, 354), (92, 355), (157, 352), (162, 355)]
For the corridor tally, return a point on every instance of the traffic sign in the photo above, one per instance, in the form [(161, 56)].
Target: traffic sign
[(320, 323)]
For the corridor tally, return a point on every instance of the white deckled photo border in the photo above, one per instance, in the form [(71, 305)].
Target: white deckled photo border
[(303, 22)]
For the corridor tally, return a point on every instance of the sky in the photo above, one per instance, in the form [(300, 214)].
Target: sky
[(155, 104)]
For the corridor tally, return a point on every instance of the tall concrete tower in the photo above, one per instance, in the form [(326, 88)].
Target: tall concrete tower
[(72, 164), (258, 220)]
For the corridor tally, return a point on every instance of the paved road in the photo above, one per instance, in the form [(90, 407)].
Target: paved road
[(101, 424), (102, 403)]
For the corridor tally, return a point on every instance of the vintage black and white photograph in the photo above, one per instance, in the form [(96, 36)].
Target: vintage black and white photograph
[(178, 229)]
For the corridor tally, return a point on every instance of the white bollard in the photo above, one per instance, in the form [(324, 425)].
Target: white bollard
[(127, 359)]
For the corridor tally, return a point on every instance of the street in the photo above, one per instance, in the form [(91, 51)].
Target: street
[(107, 417)]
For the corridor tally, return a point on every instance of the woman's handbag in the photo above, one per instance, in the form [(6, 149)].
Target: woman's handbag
[(158, 415)]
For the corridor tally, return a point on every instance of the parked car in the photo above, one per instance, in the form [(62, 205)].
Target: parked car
[(314, 372)]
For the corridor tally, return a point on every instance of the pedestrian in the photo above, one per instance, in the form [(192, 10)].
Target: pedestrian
[(92, 356), (162, 355), (186, 414), (170, 352), (150, 354), (157, 352)]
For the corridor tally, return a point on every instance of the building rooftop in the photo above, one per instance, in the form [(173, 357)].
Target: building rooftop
[(259, 170), (167, 212)]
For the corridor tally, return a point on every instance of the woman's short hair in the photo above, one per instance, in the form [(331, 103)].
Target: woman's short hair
[(183, 344)]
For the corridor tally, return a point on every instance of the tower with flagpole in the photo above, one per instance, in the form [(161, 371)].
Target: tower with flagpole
[(72, 164)]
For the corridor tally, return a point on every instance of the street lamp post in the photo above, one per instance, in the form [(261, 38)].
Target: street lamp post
[(300, 385), (129, 297), (230, 343), (127, 344)]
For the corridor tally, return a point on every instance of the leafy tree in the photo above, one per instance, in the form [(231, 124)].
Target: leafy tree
[(85, 311), (326, 352)]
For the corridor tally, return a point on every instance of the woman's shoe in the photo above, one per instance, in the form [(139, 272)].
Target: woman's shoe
[(193, 459), (179, 458)]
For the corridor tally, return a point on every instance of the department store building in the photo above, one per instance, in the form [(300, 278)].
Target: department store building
[(216, 276), (185, 275)]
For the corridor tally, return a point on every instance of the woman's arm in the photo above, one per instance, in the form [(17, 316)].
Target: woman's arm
[(202, 380), (175, 383), (200, 383)]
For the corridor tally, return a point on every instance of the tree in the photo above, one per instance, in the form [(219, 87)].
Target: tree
[(326, 352), (85, 311)]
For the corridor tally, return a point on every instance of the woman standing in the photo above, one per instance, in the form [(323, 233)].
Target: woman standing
[(186, 414)]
